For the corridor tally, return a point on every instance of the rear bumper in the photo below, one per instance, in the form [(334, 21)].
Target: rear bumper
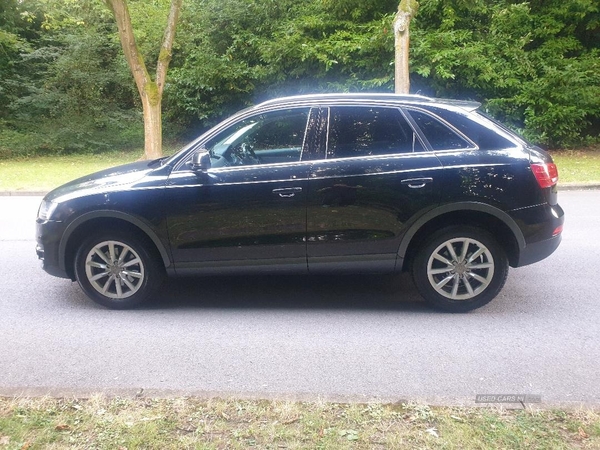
[(542, 227), (538, 250)]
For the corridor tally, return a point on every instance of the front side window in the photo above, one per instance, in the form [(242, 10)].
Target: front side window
[(268, 138), (369, 131)]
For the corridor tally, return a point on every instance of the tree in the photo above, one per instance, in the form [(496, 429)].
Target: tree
[(406, 11), (151, 91)]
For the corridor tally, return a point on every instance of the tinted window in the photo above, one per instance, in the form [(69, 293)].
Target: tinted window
[(485, 138), (439, 135), (363, 131), (267, 138)]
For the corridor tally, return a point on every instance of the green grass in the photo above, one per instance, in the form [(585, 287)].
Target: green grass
[(45, 173), (578, 166), (182, 423)]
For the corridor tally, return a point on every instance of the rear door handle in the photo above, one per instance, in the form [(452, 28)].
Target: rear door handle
[(416, 183), (287, 192)]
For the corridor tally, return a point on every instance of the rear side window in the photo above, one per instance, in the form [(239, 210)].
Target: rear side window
[(365, 131), (439, 135), (485, 138)]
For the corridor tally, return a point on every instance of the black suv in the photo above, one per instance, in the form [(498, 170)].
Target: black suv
[(312, 184)]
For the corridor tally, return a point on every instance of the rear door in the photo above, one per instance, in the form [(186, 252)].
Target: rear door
[(372, 176)]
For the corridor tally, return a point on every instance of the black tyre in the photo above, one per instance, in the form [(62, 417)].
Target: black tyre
[(118, 269), (460, 268)]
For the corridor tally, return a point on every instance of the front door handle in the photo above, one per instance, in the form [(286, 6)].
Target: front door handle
[(287, 192), (416, 183)]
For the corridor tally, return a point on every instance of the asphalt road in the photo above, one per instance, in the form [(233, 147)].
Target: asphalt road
[(343, 338)]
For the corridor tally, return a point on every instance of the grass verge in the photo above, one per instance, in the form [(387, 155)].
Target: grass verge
[(578, 166), (47, 172), (120, 423)]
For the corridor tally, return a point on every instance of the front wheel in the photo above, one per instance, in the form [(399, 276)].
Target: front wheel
[(460, 268), (117, 270)]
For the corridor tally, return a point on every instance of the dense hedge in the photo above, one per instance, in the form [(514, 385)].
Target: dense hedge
[(64, 85)]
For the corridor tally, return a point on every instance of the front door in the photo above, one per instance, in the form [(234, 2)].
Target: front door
[(248, 210)]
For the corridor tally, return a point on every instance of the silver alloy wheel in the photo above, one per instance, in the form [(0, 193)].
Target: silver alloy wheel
[(114, 269), (460, 268)]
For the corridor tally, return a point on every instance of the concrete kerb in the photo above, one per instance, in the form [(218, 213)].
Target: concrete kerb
[(578, 186), (23, 193)]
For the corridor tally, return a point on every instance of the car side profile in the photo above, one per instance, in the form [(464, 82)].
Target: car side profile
[(331, 183)]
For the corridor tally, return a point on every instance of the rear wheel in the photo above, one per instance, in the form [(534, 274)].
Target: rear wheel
[(460, 268), (118, 269)]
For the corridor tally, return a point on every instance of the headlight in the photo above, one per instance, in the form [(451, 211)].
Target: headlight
[(46, 210)]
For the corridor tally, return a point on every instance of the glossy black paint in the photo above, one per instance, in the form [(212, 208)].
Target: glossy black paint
[(233, 214), (357, 209), (319, 213)]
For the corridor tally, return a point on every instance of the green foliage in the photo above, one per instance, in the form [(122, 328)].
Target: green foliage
[(533, 64), (14, 31), (75, 92), (65, 85), (238, 52)]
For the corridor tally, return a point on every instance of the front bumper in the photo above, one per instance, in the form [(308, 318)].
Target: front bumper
[(48, 237)]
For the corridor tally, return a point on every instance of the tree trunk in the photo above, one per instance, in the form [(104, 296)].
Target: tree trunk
[(150, 91), (402, 45), (152, 106), (406, 10)]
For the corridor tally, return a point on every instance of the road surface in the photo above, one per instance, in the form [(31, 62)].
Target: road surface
[(342, 338)]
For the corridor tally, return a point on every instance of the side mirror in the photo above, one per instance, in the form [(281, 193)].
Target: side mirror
[(201, 161)]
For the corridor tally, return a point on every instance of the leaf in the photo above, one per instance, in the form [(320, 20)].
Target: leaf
[(290, 421), (432, 431), (424, 71), (62, 427), (351, 435)]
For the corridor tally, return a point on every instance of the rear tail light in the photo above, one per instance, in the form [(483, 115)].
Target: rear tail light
[(557, 230), (546, 174)]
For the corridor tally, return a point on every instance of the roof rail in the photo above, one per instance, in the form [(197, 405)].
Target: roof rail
[(468, 105), (359, 95)]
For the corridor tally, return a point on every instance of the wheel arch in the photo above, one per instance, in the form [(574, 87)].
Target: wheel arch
[(79, 228), (464, 213)]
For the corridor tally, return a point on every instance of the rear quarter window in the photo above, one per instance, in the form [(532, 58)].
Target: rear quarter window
[(440, 137), (485, 138)]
